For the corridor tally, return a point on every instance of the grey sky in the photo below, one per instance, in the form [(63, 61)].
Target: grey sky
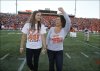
[(85, 9)]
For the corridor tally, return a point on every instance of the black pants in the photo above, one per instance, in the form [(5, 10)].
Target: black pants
[(32, 58), (55, 57)]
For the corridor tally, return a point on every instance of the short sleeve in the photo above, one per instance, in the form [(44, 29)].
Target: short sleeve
[(25, 28), (43, 29)]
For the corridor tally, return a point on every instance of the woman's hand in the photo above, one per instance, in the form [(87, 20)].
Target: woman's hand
[(61, 9), (44, 50), (21, 50)]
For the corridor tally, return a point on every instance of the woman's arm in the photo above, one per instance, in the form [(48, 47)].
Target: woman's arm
[(24, 36), (23, 41), (43, 36), (68, 21), (48, 37)]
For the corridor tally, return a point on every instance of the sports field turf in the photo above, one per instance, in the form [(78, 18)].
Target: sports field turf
[(78, 54)]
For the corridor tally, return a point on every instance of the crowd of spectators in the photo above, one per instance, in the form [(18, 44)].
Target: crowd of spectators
[(16, 21)]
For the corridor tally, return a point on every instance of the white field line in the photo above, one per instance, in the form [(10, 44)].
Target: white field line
[(2, 58), (9, 34), (18, 33), (97, 53), (68, 55), (84, 54), (22, 65), (88, 44), (21, 58), (14, 33)]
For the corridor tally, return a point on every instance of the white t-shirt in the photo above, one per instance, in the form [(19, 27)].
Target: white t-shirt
[(33, 36)]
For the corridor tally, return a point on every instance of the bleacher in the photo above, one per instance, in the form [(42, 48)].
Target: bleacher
[(48, 18)]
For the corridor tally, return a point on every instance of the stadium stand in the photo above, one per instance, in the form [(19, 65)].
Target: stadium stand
[(16, 21)]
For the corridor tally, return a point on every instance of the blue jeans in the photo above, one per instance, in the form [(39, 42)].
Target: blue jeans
[(55, 57)]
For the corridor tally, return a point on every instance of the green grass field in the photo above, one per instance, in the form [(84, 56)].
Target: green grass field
[(78, 54)]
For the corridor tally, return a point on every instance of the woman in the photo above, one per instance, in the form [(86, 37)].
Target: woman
[(55, 38), (34, 34)]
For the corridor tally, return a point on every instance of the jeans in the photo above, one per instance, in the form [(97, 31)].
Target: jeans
[(55, 57), (32, 58)]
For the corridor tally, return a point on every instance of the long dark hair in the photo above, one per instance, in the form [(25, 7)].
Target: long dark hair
[(63, 21), (32, 21)]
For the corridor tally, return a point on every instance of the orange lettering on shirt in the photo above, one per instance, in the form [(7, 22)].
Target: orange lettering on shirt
[(56, 39), (33, 37)]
